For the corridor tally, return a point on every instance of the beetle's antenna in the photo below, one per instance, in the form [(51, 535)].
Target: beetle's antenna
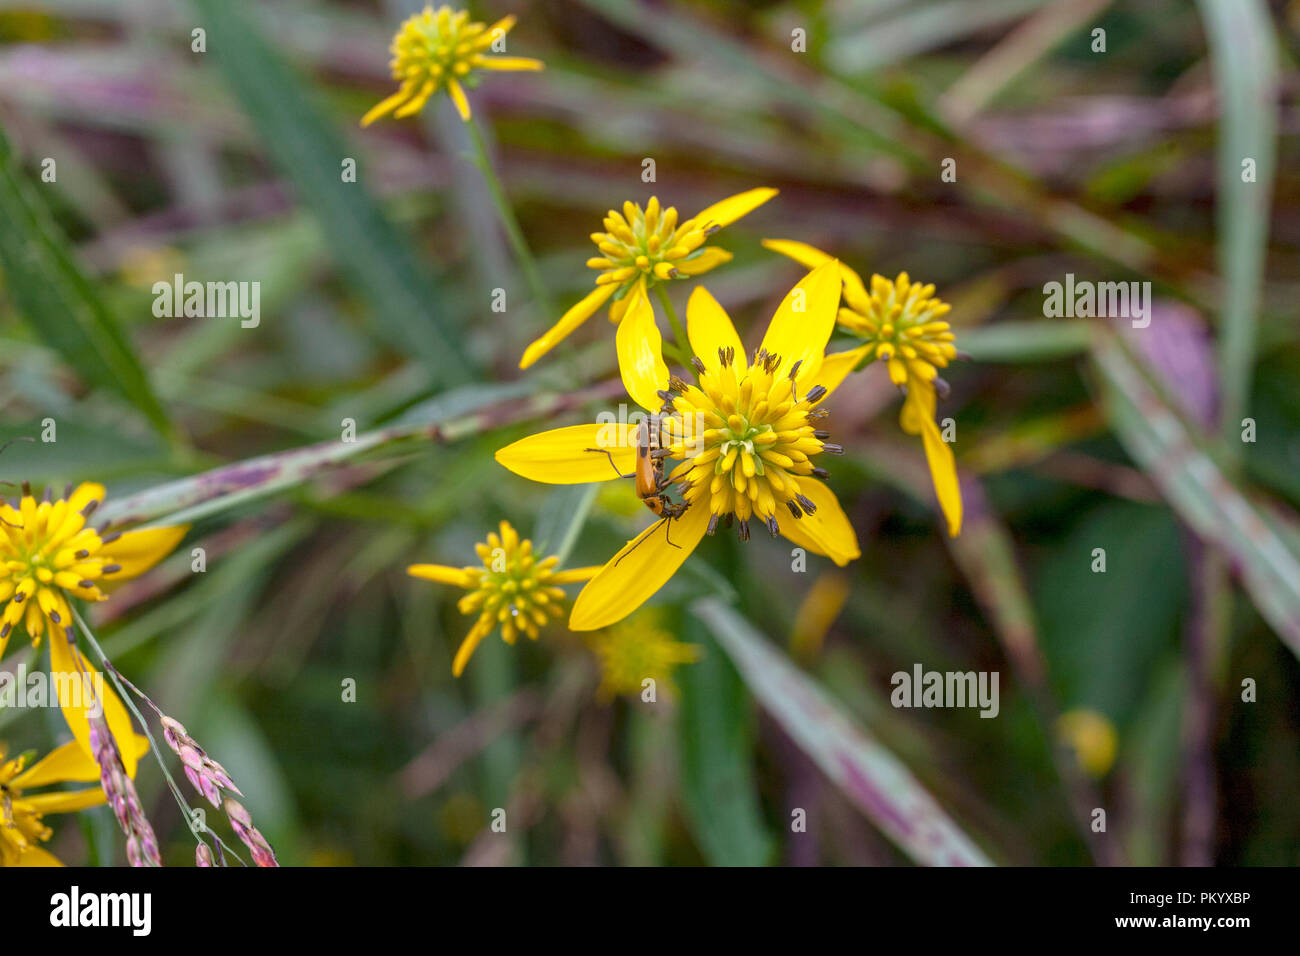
[(663, 521)]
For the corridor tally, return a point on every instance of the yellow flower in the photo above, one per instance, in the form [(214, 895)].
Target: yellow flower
[(642, 247), (440, 49), (744, 439), (634, 650), (1092, 737), (512, 589), (901, 323), (817, 612), (21, 814), (47, 555)]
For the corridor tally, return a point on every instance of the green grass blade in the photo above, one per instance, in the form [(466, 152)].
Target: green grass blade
[(371, 252), (560, 520), (1193, 483), (1245, 78), (1025, 341), (868, 774), (717, 759), (920, 29), (61, 305)]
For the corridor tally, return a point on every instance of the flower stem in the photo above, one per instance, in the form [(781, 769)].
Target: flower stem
[(680, 348), (507, 215)]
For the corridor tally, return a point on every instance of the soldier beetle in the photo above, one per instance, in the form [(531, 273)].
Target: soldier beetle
[(649, 477)]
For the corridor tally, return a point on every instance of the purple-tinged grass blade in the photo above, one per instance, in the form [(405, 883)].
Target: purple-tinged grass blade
[(1177, 347), (871, 777), (455, 416), (1177, 460)]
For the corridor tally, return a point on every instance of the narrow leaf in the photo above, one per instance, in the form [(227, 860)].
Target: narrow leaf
[(62, 307), (868, 774), (196, 496), (717, 759), (1024, 341), (1177, 460), (371, 252), (560, 520), (1242, 45)]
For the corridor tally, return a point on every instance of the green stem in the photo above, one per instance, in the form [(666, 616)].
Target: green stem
[(507, 215), (680, 347)]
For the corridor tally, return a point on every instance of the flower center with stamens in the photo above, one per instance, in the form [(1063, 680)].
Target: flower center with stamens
[(746, 440), (433, 46), (902, 321), (47, 552), (648, 244), (20, 825), (636, 649), (512, 588)]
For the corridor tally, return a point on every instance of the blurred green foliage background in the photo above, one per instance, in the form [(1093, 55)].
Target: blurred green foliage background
[(1115, 166)]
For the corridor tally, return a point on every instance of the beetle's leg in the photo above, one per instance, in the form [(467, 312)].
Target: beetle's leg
[(607, 454), (667, 532)]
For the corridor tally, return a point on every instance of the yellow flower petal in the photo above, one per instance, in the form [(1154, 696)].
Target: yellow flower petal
[(812, 257), (917, 417), (568, 322), (442, 574), (386, 106), (138, 551), (69, 662), (804, 321), (808, 256), (640, 353), (65, 801), (641, 567), (510, 63), (837, 366), (481, 629), (35, 856), (572, 575), (69, 762), (416, 102), (727, 211), (943, 472), (561, 456), (458, 97), (710, 258), (828, 531), (501, 27), (710, 328), (85, 493), (817, 612), (918, 407)]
